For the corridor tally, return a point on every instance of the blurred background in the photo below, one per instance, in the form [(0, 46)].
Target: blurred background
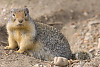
[(78, 20)]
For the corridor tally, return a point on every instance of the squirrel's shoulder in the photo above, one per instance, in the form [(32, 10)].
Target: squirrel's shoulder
[(45, 27)]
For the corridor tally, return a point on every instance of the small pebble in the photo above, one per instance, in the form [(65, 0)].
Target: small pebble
[(99, 43), (60, 61)]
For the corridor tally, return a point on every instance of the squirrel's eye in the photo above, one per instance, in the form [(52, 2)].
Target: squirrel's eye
[(25, 14), (13, 14)]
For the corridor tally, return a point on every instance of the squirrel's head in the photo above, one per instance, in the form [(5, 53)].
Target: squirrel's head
[(20, 16)]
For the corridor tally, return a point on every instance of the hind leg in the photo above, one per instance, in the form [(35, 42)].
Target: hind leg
[(25, 45)]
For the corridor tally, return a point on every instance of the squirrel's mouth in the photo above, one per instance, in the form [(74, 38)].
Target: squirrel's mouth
[(20, 25)]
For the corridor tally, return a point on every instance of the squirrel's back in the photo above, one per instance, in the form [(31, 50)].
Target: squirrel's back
[(54, 42)]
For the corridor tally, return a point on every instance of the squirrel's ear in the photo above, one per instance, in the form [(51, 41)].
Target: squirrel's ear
[(26, 10), (12, 10)]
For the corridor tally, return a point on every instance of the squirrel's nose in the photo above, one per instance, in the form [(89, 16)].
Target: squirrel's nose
[(20, 21)]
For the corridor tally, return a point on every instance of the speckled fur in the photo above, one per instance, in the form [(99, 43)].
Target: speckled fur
[(46, 41), (54, 42)]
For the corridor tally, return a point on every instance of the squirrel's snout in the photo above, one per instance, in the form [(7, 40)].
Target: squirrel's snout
[(20, 21)]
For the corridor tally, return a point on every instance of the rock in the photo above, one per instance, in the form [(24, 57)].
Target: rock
[(71, 11), (85, 13), (39, 65), (74, 26), (5, 18), (91, 50), (60, 61), (86, 38), (95, 43), (45, 16), (88, 34), (56, 66), (86, 41), (99, 43), (77, 34)]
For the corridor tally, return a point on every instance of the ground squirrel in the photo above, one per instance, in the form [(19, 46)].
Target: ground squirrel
[(43, 41)]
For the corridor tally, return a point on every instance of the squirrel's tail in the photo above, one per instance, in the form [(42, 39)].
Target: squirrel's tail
[(82, 55)]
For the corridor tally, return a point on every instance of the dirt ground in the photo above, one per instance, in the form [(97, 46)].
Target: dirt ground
[(78, 20)]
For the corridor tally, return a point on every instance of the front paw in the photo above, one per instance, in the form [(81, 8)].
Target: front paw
[(7, 47), (19, 51)]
